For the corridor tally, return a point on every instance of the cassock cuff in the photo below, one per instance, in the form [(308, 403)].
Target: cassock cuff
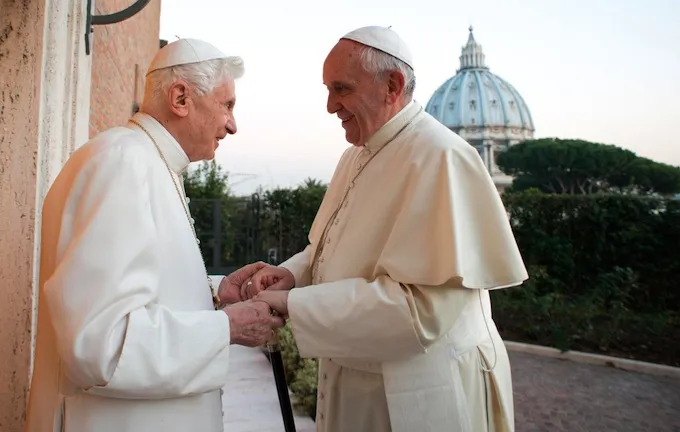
[(216, 280), (298, 266)]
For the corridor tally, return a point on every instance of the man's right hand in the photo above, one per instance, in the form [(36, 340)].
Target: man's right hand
[(268, 278), (251, 323)]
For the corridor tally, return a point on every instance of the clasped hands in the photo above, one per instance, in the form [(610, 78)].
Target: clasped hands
[(252, 294)]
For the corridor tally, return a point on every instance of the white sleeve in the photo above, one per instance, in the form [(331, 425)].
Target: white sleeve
[(299, 266), (216, 280), (113, 337), (354, 318)]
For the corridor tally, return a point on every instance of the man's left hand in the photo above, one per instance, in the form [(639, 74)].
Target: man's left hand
[(230, 287), (277, 300)]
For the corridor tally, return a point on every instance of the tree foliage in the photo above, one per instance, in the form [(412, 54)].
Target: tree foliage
[(212, 207), (207, 181), (289, 215), (238, 230), (564, 166)]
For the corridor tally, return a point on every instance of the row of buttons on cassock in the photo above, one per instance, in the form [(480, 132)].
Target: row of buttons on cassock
[(320, 279)]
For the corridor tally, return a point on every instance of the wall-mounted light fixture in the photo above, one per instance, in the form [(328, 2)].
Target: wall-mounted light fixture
[(92, 20)]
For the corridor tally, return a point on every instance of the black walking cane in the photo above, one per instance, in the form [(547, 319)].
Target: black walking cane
[(276, 359), (281, 385)]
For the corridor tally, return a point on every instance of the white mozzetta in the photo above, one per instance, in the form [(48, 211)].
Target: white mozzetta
[(399, 268)]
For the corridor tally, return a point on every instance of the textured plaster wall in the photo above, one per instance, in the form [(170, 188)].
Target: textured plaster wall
[(122, 54), (21, 32), (44, 112)]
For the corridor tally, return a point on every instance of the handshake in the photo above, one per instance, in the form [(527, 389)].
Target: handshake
[(256, 299)]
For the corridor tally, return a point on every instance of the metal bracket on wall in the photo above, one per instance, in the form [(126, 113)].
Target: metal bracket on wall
[(92, 20)]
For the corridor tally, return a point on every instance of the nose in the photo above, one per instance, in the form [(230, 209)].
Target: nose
[(231, 125), (332, 105)]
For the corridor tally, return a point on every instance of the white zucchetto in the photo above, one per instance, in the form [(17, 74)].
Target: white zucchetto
[(188, 51), (384, 39)]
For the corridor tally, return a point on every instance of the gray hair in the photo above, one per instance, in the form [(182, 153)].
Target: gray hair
[(379, 62), (203, 77)]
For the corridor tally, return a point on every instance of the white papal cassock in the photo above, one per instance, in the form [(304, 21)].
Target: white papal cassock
[(395, 301), (128, 340)]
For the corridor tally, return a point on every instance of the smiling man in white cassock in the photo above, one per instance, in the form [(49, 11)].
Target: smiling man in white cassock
[(392, 293), (133, 335)]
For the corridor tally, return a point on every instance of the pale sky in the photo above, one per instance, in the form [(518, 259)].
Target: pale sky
[(600, 70)]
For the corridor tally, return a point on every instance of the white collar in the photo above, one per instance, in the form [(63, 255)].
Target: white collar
[(393, 125), (172, 152)]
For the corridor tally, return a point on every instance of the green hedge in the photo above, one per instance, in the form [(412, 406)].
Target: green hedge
[(603, 274), (603, 278)]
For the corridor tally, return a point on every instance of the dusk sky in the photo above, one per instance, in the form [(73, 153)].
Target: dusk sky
[(600, 70)]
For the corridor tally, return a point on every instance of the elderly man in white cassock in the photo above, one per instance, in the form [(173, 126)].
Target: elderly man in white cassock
[(392, 293), (133, 335)]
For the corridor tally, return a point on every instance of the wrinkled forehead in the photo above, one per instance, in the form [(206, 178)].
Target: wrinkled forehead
[(343, 63)]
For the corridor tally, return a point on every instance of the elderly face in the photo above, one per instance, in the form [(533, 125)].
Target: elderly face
[(362, 102), (205, 119)]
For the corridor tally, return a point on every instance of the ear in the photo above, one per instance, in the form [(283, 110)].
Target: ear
[(395, 86), (178, 98)]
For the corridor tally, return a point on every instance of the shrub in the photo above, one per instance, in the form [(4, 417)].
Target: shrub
[(603, 272), (301, 374)]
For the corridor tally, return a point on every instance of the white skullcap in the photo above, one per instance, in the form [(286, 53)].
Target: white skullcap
[(384, 39), (188, 51)]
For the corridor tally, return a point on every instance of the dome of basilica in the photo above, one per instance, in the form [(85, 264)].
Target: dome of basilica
[(483, 108)]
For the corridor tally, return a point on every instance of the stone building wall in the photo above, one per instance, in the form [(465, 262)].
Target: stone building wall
[(20, 54)]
